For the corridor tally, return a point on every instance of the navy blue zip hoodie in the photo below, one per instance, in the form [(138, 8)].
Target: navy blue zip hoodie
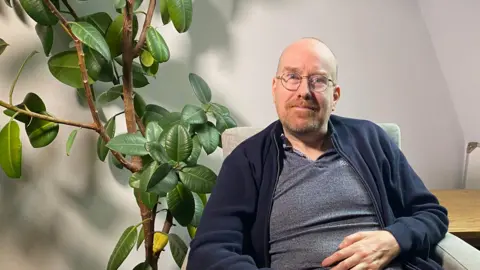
[(234, 229)]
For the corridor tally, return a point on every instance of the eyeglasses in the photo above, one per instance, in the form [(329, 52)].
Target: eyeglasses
[(292, 81)]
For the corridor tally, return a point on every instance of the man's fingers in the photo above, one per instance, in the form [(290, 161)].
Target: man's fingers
[(362, 266), (350, 262), (338, 256), (347, 241)]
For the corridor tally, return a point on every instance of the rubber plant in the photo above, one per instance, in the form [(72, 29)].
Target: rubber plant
[(160, 148)]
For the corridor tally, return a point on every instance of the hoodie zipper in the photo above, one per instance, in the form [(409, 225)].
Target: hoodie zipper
[(267, 225)]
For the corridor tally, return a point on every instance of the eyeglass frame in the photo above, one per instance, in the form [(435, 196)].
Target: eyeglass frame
[(280, 77)]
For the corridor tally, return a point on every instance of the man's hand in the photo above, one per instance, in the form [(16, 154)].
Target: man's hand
[(364, 251)]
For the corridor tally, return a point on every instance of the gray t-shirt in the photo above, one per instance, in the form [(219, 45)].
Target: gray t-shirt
[(315, 206)]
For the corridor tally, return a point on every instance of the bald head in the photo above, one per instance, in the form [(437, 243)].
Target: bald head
[(309, 50)]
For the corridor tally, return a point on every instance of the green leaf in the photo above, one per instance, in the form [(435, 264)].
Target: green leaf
[(170, 119), (39, 11), (45, 33), (200, 88), (97, 67), (142, 266), (196, 151), (41, 132), (70, 140), (101, 21), (115, 161), (218, 108), (123, 248), (102, 150), (64, 67), (90, 36), (193, 115), (209, 137), (139, 104), (119, 4), (157, 152), (141, 238), (137, 4), (181, 203), (203, 197), (11, 157), (199, 206), (178, 248), (164, 11), (34, 104), (181, 14), (3, 46), (110, 95), (146, 59), (153, 131), (178, 143), (166, 185), (160, 173), (224, 122), (128, 144), (114, 35), (149, 199), (152, 70), (136, 67), (139, 80), (153, 113), (198, 179), (157, 45), (143, 176)]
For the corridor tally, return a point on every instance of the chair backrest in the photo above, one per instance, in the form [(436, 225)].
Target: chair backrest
[(232, 137)]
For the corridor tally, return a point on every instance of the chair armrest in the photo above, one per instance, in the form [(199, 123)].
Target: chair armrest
[(456, 254)]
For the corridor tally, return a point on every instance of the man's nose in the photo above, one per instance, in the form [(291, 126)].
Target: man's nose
[(304, 89)]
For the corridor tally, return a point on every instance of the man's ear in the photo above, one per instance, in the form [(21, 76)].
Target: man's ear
[(336, 96), (274, 86)]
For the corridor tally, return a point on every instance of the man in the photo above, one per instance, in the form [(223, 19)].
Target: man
[(317, 191)]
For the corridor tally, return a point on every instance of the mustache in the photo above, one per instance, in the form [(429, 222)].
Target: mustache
[(303, 104)]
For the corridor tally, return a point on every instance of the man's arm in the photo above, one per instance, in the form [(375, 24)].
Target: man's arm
[(229, 210), (421, 221)]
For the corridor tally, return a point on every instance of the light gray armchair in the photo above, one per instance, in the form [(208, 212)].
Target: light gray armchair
[(454, 253)]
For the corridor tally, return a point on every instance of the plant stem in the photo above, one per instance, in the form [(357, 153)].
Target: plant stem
[(10, 96), (88, 91), (140, 124), (146, 24), (167, 225), (47, 118), (70, 9), (130, 117)]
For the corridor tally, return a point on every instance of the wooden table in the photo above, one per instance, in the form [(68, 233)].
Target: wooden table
[(463, 207)]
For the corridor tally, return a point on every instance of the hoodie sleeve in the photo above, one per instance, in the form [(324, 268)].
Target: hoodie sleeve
[(421, 222), (229, 212)]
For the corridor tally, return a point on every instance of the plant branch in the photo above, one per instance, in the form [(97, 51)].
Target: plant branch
[(140, 124), (167, 225), (88, 90), (47, 118), (10, 96), (146, 24), (70, 9)]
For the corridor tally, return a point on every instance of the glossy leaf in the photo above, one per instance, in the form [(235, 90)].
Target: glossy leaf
[(102, 150), (200, 88), (128, 144), (181, 12), (224, 122), (178, 248), (157, 45), (191, 231), (152, 70), (71, 140), (90, 36), (218, 108), (45, 33), (139, 80), (153, 113), (181, 203), (157, 152), (119, 3), (11, 145), (39, 11), (198, 210), (209, 137), (143, 266), (153, 131), (170, 119), (198, 179), (160, 241), (101, 21), (114, 35), (160, 173), (139, 104), (166, 185), (33, 103), (203, 197), (146, 58), (110, 95), (136, 67), (123, 248), (41, 133), (164, 11), (140, 238), (193, 114), (97, 66), (64, 67), (178, 143), (142, 177), (115, 161), (137, 4), (149, 199), (196, 151), (3, 46)]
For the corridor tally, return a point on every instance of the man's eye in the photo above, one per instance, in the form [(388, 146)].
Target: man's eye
[(293, 76)]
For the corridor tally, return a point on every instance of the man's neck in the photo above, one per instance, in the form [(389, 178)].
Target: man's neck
[(312, 144)]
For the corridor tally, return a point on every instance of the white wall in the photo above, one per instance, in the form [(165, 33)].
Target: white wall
[(63, 215)]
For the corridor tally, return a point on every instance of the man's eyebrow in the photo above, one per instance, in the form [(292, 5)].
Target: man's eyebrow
[(294, 69)]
